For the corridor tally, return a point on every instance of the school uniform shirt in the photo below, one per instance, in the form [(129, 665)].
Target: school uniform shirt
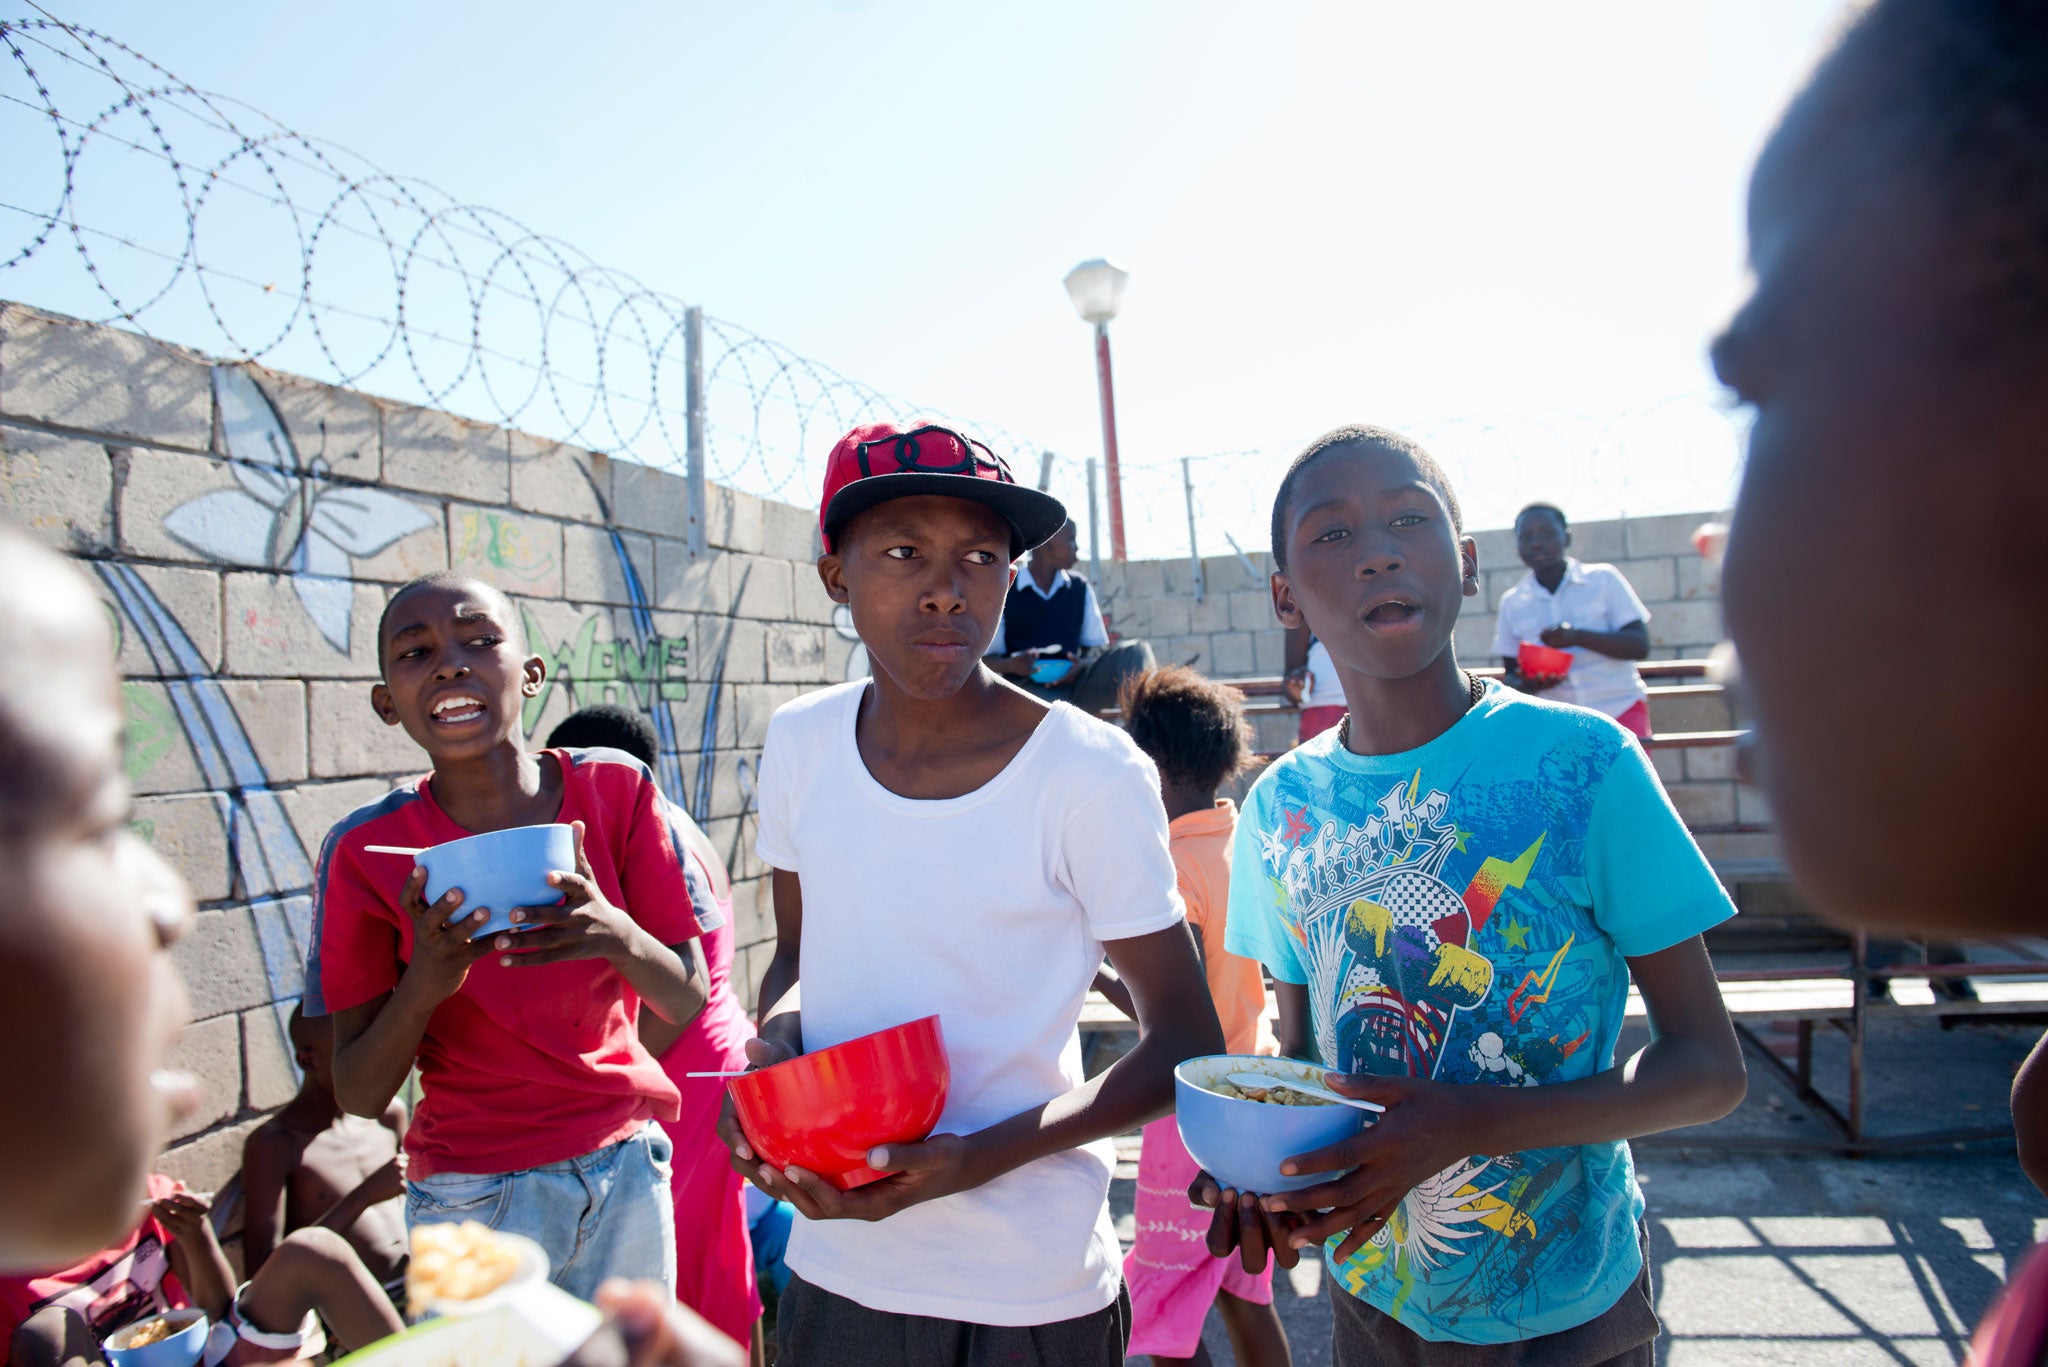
[(1596, 597), (1046, 613), (521, 1066), (110, 1289), (989, 911), (1322, 688), (1461, 912)]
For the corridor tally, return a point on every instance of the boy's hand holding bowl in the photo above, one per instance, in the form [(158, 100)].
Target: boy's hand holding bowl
[(442, 945), (845, 1133), (505, 874), (1545, 665), (1427, 1127), (583, 925)]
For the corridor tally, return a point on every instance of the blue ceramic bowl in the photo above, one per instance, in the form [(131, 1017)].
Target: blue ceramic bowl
[(501, 870), (1050, 671), (181, 1349), (1241, 1143)]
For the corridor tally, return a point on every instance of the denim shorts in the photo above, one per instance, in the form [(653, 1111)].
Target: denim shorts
[(606, 1214)]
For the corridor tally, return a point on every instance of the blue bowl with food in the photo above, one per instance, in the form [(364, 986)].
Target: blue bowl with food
[(175, 1338), (1050, 671), (1241, 1142), (500, 870)]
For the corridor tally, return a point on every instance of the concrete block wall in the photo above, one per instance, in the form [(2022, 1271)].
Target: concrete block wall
[(1233, 631), (246, 527), (1681, 591)]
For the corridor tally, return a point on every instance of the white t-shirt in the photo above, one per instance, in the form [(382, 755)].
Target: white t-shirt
[(1596, 597), (1323, 689), (988, 910)]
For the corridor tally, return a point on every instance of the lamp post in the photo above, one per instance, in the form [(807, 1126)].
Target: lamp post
[(1097, 289)]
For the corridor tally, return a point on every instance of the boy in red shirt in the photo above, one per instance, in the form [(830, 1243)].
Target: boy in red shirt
[(539, 1101)]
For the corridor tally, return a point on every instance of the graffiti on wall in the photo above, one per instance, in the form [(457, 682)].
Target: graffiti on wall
[(498, 541), (286, 515), (270, 866), (592, 669)]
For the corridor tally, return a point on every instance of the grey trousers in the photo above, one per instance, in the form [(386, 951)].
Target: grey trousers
[(815, 1328), (1100, 678)]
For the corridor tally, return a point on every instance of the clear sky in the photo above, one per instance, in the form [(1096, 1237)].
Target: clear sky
[(1509, 228)]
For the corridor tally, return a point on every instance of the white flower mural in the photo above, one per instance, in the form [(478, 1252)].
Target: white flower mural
[(287, 515)]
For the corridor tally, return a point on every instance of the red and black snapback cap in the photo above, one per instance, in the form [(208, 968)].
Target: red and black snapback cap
[(879, 461)]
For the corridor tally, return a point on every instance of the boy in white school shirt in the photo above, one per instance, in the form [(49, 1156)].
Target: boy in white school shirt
[(944, 843), (1590, 610)]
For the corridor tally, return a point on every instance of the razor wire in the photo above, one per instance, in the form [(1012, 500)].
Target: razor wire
[(130, 197)]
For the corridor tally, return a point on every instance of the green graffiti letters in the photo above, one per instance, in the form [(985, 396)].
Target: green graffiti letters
[(596, 671)]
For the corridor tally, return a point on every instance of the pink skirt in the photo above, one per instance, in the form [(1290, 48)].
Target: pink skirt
[(714, 1254), (1172, 1277)]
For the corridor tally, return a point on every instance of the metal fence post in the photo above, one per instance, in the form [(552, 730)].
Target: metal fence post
[(693, 409), (1044, 471), (1094, 538), (1187, 484)]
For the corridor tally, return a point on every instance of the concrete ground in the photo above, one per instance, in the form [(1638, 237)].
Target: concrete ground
[(1808, 1258)]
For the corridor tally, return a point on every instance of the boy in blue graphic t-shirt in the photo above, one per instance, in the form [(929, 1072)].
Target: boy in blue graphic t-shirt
[(1452, 890)]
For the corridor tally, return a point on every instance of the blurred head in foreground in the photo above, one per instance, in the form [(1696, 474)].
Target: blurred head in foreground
[(92, 1003), (1882, 578)]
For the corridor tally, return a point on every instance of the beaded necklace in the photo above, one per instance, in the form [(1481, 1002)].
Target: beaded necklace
[(1474, 686)]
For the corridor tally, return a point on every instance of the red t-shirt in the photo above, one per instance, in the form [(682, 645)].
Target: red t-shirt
[(522, 1066), (113, 1287)]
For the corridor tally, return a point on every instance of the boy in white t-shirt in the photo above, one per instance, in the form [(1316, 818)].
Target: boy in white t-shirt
[(1589, 610), (944, 843)]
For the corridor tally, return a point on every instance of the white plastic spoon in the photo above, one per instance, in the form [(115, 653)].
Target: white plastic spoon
[(741, 1073), (1266, 1082), (393, 849)]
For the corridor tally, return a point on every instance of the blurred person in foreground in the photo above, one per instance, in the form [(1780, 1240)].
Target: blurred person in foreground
[(1895, 355), (92, 1003)]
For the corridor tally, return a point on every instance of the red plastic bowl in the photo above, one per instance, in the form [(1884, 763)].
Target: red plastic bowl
[(824, 1111), (1545, 662)]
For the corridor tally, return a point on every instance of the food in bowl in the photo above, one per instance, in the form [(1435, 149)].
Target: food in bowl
[(458, 1263), (1279, 1094), (1242, 1143), (174, 1339), (155, 1331)]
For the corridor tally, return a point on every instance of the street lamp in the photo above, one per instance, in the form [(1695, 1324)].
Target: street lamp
[(1097, 289)]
